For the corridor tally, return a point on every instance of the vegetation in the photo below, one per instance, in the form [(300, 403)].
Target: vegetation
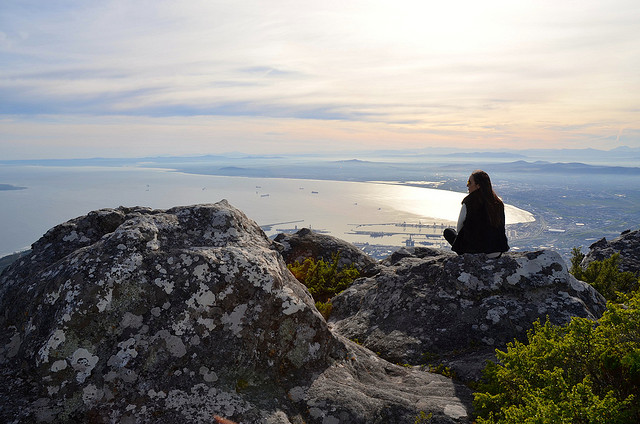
[(442, 370), (578, 373), (324, 280), (582, 372), (423, 418), (325, 308), (605, 276)]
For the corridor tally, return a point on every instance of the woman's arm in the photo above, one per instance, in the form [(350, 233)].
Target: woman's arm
[(461, 217)]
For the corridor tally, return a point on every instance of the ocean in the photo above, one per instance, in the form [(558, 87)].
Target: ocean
[(360, 212)]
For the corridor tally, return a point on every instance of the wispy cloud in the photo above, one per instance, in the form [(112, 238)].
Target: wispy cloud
[(459, 70)]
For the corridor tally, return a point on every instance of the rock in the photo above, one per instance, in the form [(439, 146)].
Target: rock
[(309, 244), (5, 261), (428, 303), (164, 316), (627, 244)]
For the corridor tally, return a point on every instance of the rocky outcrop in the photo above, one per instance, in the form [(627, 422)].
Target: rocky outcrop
[(163, 316), (309, 244), (428, 304), (9, 259), (627, 244)]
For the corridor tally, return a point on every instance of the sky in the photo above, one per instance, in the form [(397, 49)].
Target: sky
[(151, 77)]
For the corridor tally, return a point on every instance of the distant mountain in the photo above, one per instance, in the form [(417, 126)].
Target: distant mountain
[(10, 187), (565, 168), (113, 161), (353, 161), (617, 155), (620, 156), (502, 155), (544, 167), (625, 153)]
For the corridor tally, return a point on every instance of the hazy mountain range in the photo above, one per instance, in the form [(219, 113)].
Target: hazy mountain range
[(379, 164), (618, 157)]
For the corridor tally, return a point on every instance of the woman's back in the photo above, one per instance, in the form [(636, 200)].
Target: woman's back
[(482, 228), (478, 233)]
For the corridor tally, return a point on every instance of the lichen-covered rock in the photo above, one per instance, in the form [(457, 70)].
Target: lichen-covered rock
[(9, 259), (309, 244), (70, 236), (165, 316), (627, 244), (426, 303)]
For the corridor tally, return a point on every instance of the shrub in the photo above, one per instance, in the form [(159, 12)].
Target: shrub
[(583, 372), (324, 280), (325, 308), (423, 418), (605, 276)]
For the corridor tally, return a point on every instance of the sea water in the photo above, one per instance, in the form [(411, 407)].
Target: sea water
[(376, 213)]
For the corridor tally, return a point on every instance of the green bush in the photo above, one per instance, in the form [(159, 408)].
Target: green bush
[(325, 308), (324, 280), (583, 372), (423, 418), (605, 276)]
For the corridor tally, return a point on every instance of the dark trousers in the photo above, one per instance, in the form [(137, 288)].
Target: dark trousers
[(450, 235)]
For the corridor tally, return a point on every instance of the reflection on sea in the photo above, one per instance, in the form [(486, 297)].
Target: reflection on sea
[(354, 211)]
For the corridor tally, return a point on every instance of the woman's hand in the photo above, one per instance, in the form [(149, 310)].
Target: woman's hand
[(221, 420)]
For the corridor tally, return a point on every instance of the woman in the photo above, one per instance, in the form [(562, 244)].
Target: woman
[(481, 221)]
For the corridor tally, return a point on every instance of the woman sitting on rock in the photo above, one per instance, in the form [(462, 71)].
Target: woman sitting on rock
[(481, 221)]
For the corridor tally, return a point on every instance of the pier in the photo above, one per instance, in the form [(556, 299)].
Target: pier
[(268, 227), (428, 234)]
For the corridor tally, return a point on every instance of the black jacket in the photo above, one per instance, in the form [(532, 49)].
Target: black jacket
[(477, 235)]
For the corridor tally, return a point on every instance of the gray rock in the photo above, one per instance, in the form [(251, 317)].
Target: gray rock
[(627, 244), (5, 261), (165, 316), (310, 244), (428, 303)]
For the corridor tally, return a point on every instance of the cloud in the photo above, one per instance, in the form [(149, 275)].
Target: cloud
[(496, 68)]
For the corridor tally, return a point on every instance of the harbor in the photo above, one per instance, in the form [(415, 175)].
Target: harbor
[(394, 233), (403, 233)]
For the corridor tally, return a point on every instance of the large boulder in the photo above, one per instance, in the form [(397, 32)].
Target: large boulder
[(310, 244), (162, 316), (627, 244), (9, 259), (428, 304)]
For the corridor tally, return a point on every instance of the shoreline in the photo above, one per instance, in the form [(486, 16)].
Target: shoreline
[(391, 201)]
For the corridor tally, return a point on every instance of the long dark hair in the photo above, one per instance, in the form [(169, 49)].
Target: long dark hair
[(494, 205)]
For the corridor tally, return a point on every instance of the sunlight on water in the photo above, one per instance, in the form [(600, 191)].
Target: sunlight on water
[(354, 211), (439, 204), (436, 204)]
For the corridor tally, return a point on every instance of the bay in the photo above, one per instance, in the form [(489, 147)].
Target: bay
[(360, 212)]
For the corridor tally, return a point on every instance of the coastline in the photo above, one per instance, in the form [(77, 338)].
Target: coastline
[(389, 212)]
